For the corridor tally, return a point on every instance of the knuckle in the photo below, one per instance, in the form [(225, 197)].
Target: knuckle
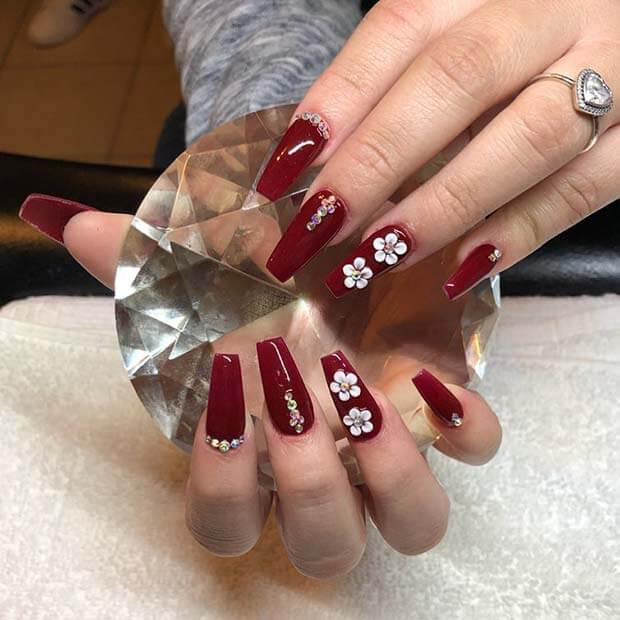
[(329, 565), (355, 79), (548, 129), (377, 151), (417, 543), (466, 62), (577, 193), (531, 231), (312, 490), (409, 19), (221, 537), (457, 201)]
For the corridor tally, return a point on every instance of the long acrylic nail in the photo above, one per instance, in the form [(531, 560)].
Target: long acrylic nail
[(478, 264), (383, 250), (318, 220), (356, 407), (442, 402), (287, 398), (298, 148), (49, 214), (226, 408)]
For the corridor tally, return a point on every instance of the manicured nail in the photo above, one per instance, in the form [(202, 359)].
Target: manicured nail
[(356, 407), (442, 402), (226, 408), (49, 215), (318, 220), (477, 265), (287, 398), (374, 256), (297, 149)]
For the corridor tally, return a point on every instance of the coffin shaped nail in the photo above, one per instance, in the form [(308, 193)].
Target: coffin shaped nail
[(49, 214), (317, 221), (355, 405), (288, 401), (380, 252), (441, 401), (226, 408), (478, 264), (297, 149)]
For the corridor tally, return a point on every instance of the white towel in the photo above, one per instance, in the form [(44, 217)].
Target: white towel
[(91, 495)]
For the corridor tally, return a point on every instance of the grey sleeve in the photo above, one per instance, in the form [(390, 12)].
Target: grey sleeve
[(237, 56)]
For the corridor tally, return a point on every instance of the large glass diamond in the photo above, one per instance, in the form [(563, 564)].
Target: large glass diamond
[(191, 281)]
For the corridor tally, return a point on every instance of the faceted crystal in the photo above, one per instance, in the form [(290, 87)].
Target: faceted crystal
[(191, 281)]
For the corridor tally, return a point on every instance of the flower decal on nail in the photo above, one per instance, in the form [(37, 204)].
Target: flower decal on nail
[(358, 421), (389, 249), (357, 274), (345, 385)]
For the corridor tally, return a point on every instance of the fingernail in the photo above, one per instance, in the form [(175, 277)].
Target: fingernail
[(49, 214), (318, 220), (287, 398), (226, 408), (442, 402), (297, 149), (477, 265), (382, 251), (356, 407)]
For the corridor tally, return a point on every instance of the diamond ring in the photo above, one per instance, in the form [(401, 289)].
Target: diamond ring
[(592, 96)]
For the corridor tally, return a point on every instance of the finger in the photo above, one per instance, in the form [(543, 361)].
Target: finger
[(470, 431), (407, 504), (320, 515), (528, 141), (225, 507), (377, 53), (95, 239), (453, 81), (580, 188)]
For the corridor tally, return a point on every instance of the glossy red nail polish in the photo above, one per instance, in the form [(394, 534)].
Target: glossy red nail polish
[(442, 402), (318, 220), (226, 408), (287, 398), (383, 250), (477, 265), (356, 407), (297, 149), (49, 215)]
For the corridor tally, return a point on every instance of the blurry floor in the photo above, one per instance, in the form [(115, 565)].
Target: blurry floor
[(101, 98)]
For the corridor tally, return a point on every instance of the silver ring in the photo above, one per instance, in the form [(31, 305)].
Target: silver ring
[(592, 96)]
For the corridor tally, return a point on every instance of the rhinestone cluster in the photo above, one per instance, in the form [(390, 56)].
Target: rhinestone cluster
[(456, 419), (224, 445), (317, 121), (328, 206), (495, 255), (296, 419)]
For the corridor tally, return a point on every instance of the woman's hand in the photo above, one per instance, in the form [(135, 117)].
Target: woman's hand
[(413, 77), (320, 514)]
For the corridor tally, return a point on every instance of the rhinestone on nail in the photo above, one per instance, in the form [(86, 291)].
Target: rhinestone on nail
[(296, 420), (456, 419), (327, 207), (495, 255), (224, 445), (317, 121)]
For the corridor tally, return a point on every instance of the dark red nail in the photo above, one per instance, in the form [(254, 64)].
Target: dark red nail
[(318, 220), (297, 149), (226, 407), (374, 256), (288, 401), (49, 215), (477, 265), (356, 407), (442, 402)]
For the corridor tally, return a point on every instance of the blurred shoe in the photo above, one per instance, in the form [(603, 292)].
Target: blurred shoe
[(58, 21)]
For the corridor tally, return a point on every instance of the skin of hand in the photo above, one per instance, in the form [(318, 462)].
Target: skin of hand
[(321, 516), (416, 74)]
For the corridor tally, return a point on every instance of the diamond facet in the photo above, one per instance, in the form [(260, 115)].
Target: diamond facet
[(592, 95)]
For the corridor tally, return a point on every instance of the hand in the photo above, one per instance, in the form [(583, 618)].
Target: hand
[(414, 77), (320, 514)]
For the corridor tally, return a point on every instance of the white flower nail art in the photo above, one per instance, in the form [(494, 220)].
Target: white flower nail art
[(357, 274), (358, 421), (389, 249), (345, 385)]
